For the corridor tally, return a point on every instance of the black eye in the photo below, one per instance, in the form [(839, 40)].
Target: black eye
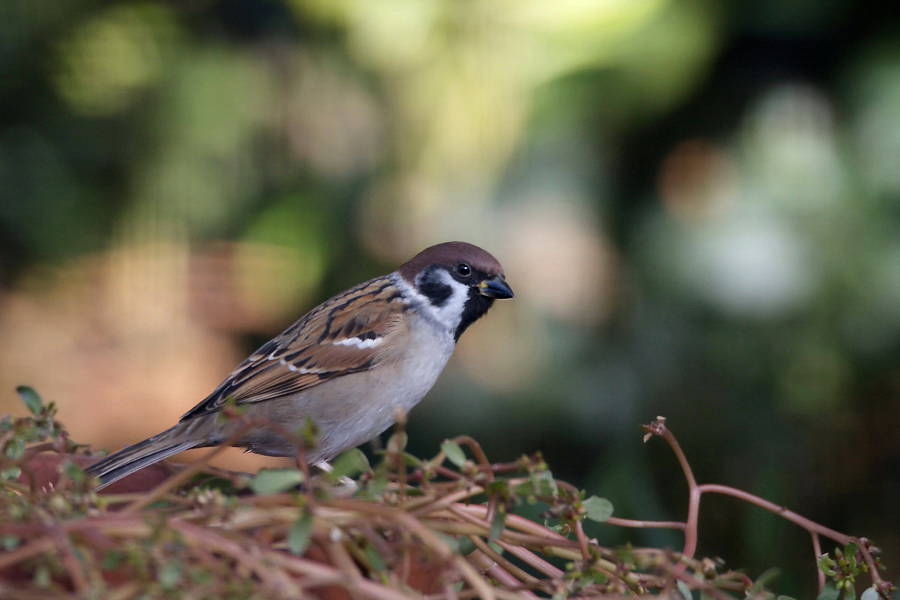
[(463, 269)]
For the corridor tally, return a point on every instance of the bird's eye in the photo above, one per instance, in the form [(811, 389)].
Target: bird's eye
[(463, 269)]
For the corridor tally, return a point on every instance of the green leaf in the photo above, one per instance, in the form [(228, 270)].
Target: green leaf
[(597, 509), (870, 594), (466, 546), (377, 484), (849, 590), (9, 542), (201, 577), (544, 484), (498, 524), (309, 433), (112, 560), (526, 488), (768, 576), (15, 448), (453, 452), (375, 560), (41, 577), (396, 443), (31, 399), (170, 575), (451, 541), (300, 533), (11, 473), (829, 593), (72, 471), (684, 589), (349, 463), (274, 481), (411, 461)]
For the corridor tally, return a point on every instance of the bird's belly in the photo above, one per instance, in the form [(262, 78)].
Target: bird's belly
[(353, 409)]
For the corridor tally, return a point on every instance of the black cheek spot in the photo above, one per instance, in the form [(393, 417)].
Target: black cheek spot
[(435, 291)]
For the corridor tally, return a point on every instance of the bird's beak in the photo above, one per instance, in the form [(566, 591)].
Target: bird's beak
[(495, 287)]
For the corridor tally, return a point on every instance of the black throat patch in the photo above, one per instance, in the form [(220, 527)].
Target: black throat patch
[(475, 307)]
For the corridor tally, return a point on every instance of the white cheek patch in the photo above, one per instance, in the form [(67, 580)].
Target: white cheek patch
[(358, 343), (449, 313)]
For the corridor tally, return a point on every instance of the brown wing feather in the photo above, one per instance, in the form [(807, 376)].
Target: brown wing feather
[(309, 352)]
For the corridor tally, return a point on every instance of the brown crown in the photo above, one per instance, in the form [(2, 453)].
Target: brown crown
[(450, 254)]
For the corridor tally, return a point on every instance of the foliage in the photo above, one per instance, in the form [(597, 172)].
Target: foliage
[(448, 526)]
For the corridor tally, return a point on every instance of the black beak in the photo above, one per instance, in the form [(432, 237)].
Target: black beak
[(495, 287)]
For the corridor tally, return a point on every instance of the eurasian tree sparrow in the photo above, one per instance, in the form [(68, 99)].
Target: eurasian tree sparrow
[(349, 364)]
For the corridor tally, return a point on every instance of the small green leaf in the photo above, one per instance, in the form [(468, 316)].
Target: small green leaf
[(829, 593), (466, 546), (597, 509), (453, 452), (849, 590), (15, 448), (170, 575), (274, 481), (42, 577), (377, 484), (349, 463), (870, 594), (300, 533), (411, 461), (768, 576), (498, 524), (9, 542), (544, 484), (526, 488), (31, 399), (309, 433), (10, 473), (72, 471), (396, 443), (451, 541), (201, 577), (684, 589), (375, 561), (112, 560), (598, 577)]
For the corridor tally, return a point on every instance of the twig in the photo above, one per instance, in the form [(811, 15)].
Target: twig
[(881, 585), (517, 572), (73, 567), (490, 568), (620, 522), (779, 510), (658, 428), (817, 551), (328, 575), (531, 559)]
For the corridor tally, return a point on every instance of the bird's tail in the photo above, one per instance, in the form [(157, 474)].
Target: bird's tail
[(137, 456)]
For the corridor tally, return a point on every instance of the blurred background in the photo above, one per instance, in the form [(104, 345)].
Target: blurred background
[(696, 202)]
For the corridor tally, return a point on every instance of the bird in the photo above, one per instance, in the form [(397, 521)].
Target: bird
[(351, 364)]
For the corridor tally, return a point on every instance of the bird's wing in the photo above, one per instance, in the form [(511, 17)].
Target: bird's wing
[(343, 335)]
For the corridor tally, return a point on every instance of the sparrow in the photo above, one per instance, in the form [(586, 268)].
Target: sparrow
[(350, 364)]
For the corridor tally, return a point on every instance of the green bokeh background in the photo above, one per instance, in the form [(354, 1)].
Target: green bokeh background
[(698, 204)]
